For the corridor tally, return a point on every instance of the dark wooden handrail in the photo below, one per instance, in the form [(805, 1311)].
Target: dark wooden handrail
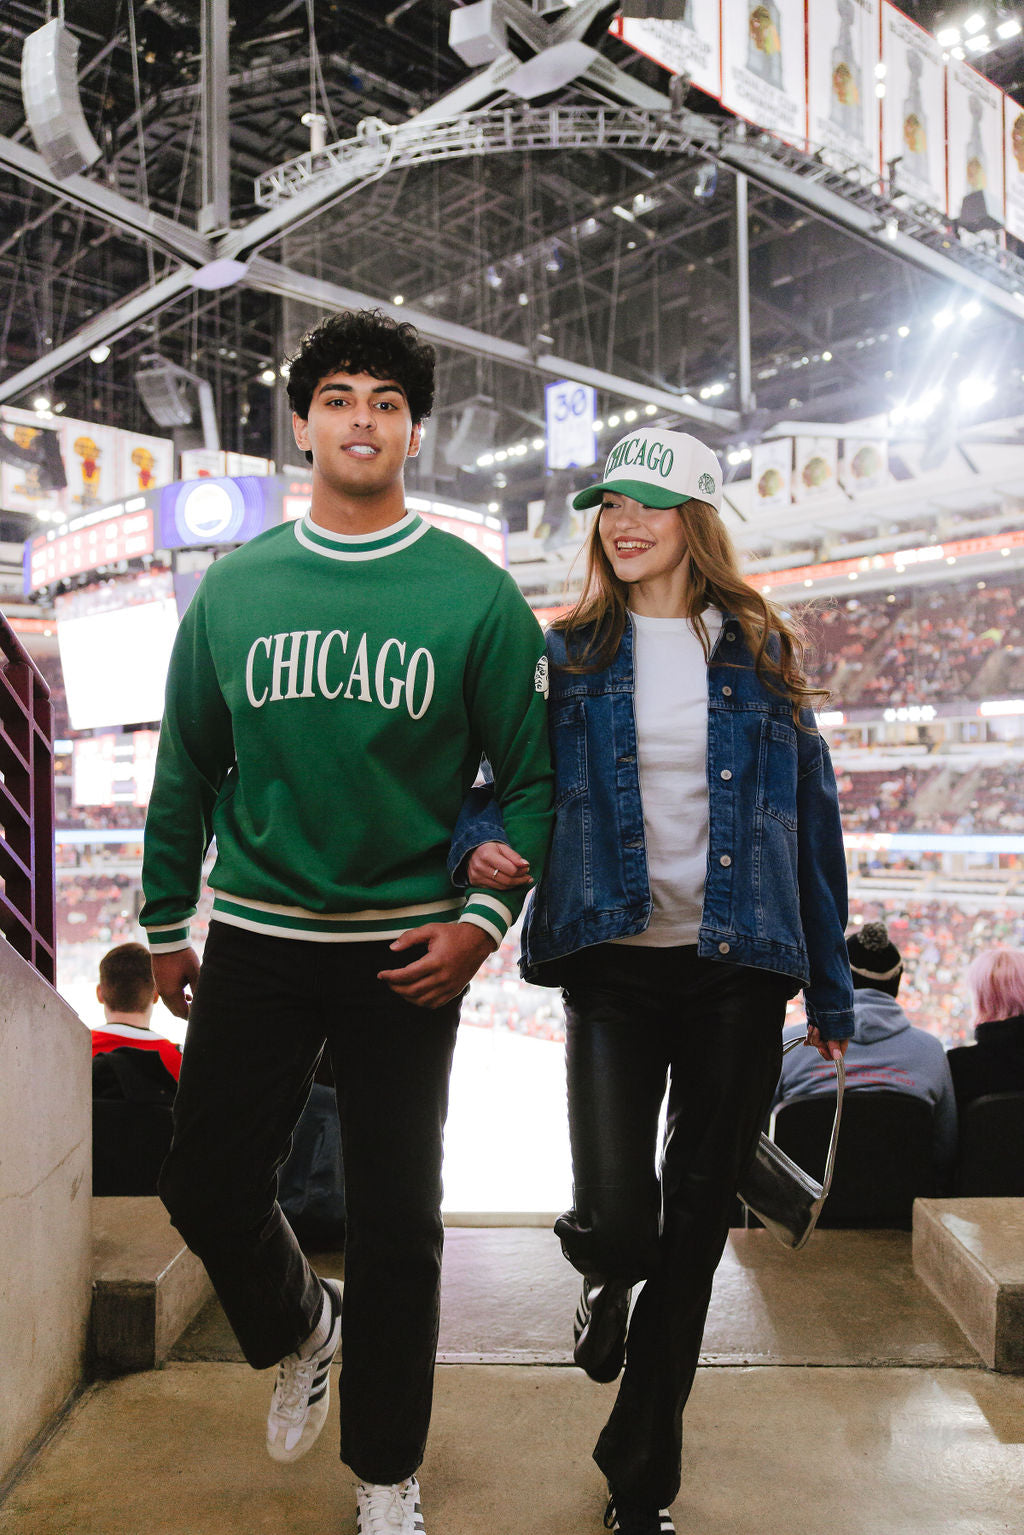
[(27, 889)]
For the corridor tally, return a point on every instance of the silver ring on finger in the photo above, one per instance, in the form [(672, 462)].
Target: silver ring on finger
[(494, 874)]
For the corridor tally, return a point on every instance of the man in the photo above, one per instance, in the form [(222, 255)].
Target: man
[(332, 689), (127, 994), (886, 1050)]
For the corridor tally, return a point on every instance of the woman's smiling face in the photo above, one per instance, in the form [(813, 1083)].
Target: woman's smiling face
[(641, 542)]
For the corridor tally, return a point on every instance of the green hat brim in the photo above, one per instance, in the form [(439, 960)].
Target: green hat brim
[(657, 497)]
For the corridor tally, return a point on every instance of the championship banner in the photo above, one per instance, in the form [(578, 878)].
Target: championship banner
[(771, 473), (865, 464), (764, 76), (974, 133), (690, 46), (144, 463), (90, 463), (914, 108), (842, 54), (32, 477), (1013, 131), (816, 463)]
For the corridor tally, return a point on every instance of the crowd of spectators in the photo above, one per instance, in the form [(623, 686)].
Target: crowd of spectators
[(917, 646), (880, 799), (938, 940)]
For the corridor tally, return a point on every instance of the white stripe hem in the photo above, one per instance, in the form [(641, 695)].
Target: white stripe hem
[(482, 922), (479, 899), (370, 914), (373, 935)]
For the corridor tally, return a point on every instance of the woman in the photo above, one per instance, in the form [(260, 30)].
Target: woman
[(696, 881), (995, 1062)]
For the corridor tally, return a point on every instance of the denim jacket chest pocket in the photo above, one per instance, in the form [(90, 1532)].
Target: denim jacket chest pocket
[(568, 733), (777, 771)]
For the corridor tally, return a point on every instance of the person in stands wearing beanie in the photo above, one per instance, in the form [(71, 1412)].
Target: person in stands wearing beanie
[(886, 1050), (127, 993), (995, 1062), (696, 882)]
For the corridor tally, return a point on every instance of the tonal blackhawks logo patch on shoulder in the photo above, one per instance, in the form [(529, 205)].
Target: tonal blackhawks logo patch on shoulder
[(706, 485), (540, 677)]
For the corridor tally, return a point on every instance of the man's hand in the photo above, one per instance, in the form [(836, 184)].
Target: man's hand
[(829, 1049), (455, 952), (496, 866), (176, 975)]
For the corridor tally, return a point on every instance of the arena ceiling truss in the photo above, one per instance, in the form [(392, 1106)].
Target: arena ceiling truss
[(598, 229)]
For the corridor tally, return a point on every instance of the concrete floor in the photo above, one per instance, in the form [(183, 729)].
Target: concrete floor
[(871, 1415)]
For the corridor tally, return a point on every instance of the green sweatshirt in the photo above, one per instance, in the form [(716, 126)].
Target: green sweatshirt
[(328, 701)]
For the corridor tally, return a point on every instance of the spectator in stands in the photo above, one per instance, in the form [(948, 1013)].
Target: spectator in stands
[(995, 1063), (886, 1051), (127, 993)]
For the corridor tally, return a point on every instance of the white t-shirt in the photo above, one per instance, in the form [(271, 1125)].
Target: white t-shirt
[(671, 704)]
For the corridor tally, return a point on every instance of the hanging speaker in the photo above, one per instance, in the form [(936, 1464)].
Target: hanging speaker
[(162, 388), (473, 435), (49, 90)]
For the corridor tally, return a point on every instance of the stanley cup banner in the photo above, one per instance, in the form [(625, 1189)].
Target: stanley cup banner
[(691, 45), (914, 108), (842, 55), (32, 477), (1013, 129), (815, 474), (865, 464), (771, 473), (764, 76), (90, 462), (144, 462), (974, 131)]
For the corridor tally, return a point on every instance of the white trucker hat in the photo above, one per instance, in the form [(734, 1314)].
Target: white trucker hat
[(659, 469)]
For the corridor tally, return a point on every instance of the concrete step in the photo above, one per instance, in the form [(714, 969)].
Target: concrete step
[(970, 1253), (147, 1286)]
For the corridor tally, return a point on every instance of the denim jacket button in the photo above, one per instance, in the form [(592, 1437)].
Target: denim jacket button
[(723, 948), (727, 692), (725, 860), (729, 634), (726, 773)]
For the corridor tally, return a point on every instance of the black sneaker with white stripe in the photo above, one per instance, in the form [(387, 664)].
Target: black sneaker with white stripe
[(599, 1328), (635, 1519), (389, 1510), (302, 1391)]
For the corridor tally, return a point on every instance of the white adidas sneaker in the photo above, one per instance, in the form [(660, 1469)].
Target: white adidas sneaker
[(302, 1392), (389, 1510)]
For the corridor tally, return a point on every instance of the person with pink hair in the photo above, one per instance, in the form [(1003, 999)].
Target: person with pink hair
[(995, 1062)]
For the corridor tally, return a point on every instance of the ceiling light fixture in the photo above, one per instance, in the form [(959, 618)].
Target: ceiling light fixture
[(1008, 29), (974, 24)]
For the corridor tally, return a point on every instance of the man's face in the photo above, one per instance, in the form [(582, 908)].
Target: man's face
[(360, 432)]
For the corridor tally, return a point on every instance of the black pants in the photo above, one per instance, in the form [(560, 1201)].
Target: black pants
[(635, 1016), (263, 1009)]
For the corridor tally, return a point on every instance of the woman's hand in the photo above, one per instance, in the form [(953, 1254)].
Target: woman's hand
[(496, 866), (828, 1049)]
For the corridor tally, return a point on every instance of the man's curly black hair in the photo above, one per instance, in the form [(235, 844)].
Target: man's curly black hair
[(364, 341)]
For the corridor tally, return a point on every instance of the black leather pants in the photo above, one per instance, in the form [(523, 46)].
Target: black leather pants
[(634, 1017)]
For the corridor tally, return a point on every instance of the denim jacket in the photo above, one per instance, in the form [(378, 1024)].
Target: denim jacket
[(775, 889)]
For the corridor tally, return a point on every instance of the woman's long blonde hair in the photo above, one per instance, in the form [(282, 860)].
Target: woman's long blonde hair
[(593, 628)]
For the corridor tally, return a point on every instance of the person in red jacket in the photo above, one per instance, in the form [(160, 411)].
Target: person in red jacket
[(127, 994)]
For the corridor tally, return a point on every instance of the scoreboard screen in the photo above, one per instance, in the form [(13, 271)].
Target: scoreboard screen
[(98, 538), (114, 769)]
